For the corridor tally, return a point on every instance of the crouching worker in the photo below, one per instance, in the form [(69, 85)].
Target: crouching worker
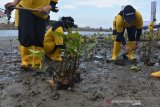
[(131, 20), (152, 24), (53, 40)]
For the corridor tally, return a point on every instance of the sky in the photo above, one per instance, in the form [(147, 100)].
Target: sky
[(97, 13)]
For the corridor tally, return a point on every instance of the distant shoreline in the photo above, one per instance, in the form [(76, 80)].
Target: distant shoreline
[(87, 29), (7, 27)]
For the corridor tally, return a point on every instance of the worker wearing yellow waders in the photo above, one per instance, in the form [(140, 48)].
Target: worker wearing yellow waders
[(53, 41), (151, 28), (31, 28), (151, 25), (131, 20)]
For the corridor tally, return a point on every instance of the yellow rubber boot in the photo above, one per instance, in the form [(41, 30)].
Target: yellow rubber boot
[(37, 59), (56, 56), (116, 50), (25, 56), (131, 46), (156, 74)]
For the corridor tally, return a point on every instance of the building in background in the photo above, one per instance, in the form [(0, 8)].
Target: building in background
[(3, 18), (153, 10)]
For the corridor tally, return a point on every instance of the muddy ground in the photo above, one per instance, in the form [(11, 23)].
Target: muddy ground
[(101, 83)]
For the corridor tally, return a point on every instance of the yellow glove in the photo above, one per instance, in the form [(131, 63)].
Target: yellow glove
[(113, 37)]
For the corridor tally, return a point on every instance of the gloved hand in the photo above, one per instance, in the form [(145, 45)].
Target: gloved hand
[(113, 37), (55, 10)]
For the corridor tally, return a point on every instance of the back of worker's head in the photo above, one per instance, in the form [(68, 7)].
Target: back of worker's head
[(129, 14), (68, 22), (65, 23)]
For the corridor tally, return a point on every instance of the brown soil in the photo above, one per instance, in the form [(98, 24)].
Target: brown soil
[(101, 82)]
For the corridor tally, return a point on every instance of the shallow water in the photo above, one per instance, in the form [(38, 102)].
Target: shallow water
[(9, 33)]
